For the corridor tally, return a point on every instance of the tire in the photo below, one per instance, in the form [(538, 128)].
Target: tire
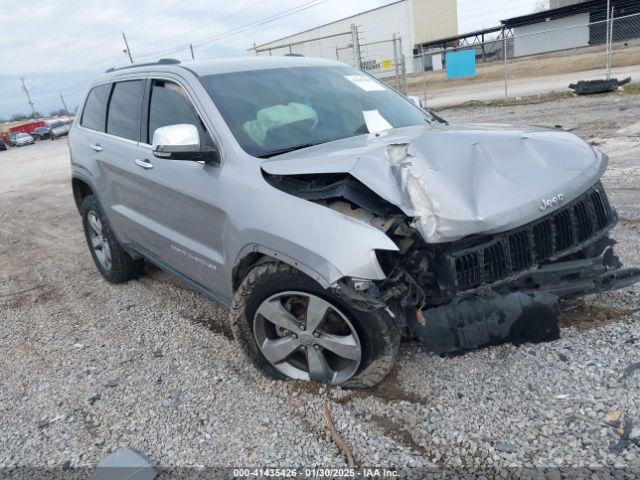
[(378, 333), (121, 266)]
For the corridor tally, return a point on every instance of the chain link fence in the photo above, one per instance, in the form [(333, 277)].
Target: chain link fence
[(383, 59), (532, 62), (509, 62), (339, 46)]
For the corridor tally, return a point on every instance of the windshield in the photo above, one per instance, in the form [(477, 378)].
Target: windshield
[(278, 110), (22, 135), (56, 125)]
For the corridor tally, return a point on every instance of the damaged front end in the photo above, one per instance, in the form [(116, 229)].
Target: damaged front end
[(503, 283), (507, 286)]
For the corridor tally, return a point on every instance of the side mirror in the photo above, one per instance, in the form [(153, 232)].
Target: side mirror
[(182, 142)]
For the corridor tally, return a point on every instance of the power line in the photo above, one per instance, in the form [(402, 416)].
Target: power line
[(187, 32), (300, 8), (234, 31)]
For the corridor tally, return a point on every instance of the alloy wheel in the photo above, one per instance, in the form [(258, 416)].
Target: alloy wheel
[(306, 337), (98, 241)]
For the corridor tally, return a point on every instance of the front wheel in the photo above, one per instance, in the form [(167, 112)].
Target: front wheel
[(290, 327)]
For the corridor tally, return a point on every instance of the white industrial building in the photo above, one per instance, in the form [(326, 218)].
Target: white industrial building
[(554, 34), (409, 22), (575, 24)]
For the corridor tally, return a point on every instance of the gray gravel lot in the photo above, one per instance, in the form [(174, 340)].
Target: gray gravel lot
[(89, 367)]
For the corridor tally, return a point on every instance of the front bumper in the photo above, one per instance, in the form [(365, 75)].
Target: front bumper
[(580, 277), (528, 314)]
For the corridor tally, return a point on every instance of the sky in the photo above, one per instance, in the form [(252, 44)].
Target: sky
[(60, 45)]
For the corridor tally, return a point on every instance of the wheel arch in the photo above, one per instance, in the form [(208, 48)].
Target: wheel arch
[(319, 268), (81, 187), (253, 255)]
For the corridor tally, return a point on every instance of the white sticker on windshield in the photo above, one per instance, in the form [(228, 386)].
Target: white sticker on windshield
[(375, 122), (365, 83)]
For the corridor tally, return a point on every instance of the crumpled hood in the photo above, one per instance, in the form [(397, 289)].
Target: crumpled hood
[(458, 180)]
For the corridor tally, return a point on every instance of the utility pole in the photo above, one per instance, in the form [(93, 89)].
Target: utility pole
[(610, 56), (355, 41), (506, 65), (191, 48), (127, 50), (608, 25), (64, 104), (24, 87)]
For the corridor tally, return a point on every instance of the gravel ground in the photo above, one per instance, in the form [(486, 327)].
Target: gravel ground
[(90, 367)]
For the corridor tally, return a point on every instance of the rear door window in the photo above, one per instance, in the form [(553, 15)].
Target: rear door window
[(125, 109), (95, 109)]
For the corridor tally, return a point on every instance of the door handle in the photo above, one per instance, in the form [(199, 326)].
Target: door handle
[(144, 163), (96, 146)]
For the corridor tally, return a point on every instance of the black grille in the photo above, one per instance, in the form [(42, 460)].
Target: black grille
[(468, 268), (583, 221), (552, 236), (543, 239), (520, 250), (495, 262), (564, 230), (601, 208)]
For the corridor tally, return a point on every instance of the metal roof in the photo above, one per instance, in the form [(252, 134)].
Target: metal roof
[(441, 41), (590, 6)]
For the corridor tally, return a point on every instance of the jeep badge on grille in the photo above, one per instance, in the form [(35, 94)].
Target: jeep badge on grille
[(551, 202)]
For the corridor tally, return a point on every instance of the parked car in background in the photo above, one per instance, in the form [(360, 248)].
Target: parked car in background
[(58, 129), (22, 139), (3, 146), (11, 139), (41, 133)]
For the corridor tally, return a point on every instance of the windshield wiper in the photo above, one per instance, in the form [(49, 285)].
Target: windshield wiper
[(280, 151)]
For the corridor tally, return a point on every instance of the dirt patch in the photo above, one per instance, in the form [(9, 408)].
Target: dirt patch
[(389, 390), (27, 297), (587, 316), (398, 433), (206, 319), (628, 222)]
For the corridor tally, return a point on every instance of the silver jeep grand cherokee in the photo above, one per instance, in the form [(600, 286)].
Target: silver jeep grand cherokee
[(333, 215)]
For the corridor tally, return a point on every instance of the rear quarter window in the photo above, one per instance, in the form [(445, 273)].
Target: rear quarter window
[(94, 113)]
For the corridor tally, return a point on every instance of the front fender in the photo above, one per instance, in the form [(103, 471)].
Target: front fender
[(325, 259)]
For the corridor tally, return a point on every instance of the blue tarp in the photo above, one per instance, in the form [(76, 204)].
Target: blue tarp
[(461, 64)]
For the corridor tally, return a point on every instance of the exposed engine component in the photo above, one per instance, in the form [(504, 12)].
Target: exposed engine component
[(333, 186)]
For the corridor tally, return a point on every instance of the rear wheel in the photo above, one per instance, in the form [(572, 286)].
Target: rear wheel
[(289, 326), (112, 261)]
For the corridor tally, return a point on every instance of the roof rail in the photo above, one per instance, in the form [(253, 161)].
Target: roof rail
[(162, 61)]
